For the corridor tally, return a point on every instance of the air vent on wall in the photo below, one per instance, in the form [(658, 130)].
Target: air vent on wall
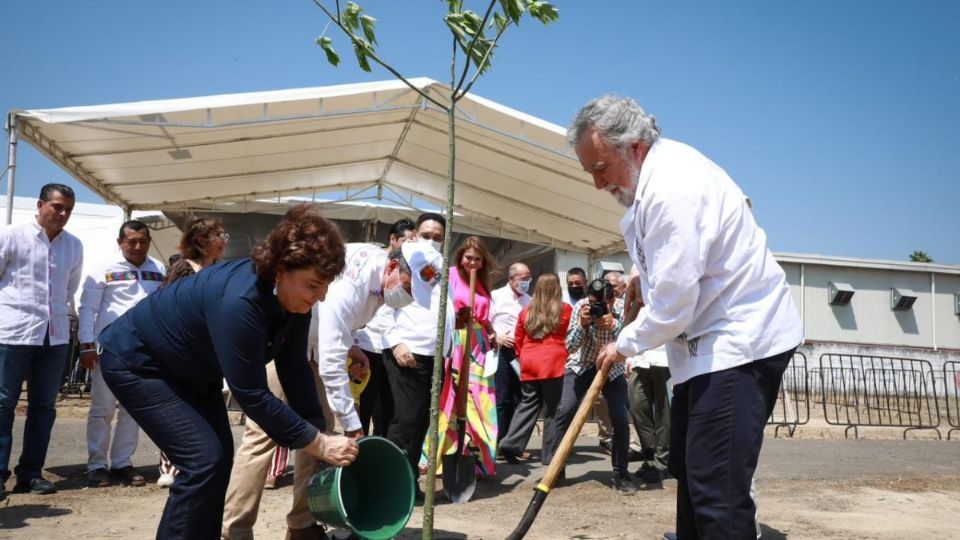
[(839, 294), (902, 299)]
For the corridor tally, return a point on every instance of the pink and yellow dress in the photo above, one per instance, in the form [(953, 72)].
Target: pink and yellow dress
[(481, 435)]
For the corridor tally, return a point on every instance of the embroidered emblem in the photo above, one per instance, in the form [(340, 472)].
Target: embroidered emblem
[(120, 276), (430, 274), (692, 344), (641, 256), (151, 276)]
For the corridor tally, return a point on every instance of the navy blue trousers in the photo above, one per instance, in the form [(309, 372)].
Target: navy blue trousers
[(190, 425), (716, 432)]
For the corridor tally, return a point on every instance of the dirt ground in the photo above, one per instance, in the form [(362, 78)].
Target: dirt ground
[(808, 489)]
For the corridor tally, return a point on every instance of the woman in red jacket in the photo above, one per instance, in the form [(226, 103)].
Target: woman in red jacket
[(540, 335)]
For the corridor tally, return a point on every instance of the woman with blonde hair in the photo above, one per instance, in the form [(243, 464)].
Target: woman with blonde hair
[(540, 345), (471, 255)]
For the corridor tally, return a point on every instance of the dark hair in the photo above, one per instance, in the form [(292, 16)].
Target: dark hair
[(303, 239), (47, 191), (197, 235), (400, 228), (432, 216), (135, 226), (577, 271), (489, 266)]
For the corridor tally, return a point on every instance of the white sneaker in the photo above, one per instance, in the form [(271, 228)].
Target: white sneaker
[(165, 480)]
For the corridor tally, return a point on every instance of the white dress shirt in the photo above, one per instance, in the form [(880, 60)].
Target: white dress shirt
[(505, 308), (110, 289), (38, 279), (351, 302), (371, 337), (713, 292)]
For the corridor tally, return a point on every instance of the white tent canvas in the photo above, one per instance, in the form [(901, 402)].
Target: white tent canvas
[(516, 177)]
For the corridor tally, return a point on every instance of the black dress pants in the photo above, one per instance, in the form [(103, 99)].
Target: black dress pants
[(715, 438), (410, 388)]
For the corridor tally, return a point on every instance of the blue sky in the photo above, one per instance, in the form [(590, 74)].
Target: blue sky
[(841, 120)]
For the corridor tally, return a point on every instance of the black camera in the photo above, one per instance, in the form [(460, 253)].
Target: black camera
[(599, 292)]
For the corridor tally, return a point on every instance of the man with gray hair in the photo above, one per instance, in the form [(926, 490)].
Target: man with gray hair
[(506, 304), (713, 294)]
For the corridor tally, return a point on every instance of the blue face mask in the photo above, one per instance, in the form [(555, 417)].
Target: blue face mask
[(523, 286)]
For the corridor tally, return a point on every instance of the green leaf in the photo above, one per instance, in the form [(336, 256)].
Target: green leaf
[(351, 16), (513, 9), (361, 48), (499, 21), (326, 44), (455, 24), (471, 22), (367, 22), (544, 12)]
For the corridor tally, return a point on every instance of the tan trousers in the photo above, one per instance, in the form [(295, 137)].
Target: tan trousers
[(250, 467)]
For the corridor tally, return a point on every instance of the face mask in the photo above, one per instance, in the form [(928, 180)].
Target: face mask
[(523, 286), (397, 297), (437, 246), (576, 293)]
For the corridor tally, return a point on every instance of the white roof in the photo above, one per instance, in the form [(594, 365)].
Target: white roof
[(876, 264), (516, 176)]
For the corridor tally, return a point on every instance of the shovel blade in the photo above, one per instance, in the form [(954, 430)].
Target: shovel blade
[(459, 477)]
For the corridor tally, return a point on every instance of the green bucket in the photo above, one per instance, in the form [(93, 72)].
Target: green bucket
[(373, 497)]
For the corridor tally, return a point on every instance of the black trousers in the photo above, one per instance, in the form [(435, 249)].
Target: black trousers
[(650, 410), (508, 392), (716, 435), (543, 394), (410, 388), (375, 400), (574, 388)]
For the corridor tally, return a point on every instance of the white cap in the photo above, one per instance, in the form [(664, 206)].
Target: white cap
[(425, 264)]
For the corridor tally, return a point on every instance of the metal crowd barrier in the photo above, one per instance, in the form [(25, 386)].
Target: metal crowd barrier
[(951, 391), (793, 401), (878, 391), (76, 379)]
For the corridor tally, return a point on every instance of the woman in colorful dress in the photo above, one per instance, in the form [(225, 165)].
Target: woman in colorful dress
[(481, 439)]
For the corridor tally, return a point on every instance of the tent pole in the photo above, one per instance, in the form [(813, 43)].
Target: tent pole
[(11, 163)]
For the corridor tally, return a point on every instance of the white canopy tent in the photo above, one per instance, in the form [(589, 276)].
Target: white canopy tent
[(516, 177)]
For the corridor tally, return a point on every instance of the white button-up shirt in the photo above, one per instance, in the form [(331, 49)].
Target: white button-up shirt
[(38, 278), (110, 289), (505, 308), (351, 302), (713, 292)]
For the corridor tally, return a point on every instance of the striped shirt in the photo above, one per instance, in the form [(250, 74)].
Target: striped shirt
[(584, 344), (38, 279)]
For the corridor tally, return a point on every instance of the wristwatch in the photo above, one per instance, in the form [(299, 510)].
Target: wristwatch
[(87, 347)]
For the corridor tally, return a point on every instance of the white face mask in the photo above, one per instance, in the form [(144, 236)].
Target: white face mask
[(397, 297), (523, 286), (437, 246)]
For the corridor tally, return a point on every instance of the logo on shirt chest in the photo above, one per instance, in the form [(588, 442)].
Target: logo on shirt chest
[(641, 255)]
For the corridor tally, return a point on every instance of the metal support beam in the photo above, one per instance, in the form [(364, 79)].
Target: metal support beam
[(11, 163)]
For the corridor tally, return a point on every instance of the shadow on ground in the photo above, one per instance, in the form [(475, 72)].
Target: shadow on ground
[(16, 516)]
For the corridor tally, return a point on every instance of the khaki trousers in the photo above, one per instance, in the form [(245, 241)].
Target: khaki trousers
[(250, 466)]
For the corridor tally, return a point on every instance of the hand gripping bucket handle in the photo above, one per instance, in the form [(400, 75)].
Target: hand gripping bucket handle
[(373, 497)]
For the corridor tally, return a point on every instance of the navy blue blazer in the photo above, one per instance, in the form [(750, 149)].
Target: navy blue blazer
[(225, 323)]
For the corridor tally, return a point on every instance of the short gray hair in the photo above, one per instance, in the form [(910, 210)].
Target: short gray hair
[(619, 121), (515, 269)]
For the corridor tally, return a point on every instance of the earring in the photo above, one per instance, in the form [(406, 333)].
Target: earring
[(274, 289)]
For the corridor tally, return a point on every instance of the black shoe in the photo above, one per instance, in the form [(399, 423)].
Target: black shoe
[(509, 457), (623, 484), (129, 476), (649, 477), (633, 456), (98, 478), (606, 447), (669, 536), (3, 491), (37, 486)]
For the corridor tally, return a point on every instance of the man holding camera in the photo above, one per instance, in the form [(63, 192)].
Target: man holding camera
[(597, 322)]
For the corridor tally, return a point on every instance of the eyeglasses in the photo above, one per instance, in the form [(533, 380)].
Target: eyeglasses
[(224, 236)]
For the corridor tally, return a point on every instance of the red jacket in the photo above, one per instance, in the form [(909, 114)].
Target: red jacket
[(542, 358)]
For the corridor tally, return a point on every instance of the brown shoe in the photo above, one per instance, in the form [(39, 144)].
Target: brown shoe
[(130, 477), (314, 532), (270, 482)]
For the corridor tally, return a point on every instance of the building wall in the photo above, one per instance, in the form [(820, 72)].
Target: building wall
[(868, 319), (948, 322)]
